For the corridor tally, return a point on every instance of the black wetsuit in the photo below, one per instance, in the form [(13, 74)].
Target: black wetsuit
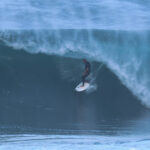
[(87, 71)]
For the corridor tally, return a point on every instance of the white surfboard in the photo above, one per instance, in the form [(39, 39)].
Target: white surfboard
[(81, 88)]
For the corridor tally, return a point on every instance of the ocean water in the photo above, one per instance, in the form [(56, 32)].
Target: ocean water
[(65, 142), (42, 44)]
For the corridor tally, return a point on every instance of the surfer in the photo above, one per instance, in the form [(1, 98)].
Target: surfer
[(86, 71)]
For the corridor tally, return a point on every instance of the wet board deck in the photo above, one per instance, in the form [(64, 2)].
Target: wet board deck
[(81, 88)]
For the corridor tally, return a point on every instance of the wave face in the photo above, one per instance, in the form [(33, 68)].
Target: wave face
[(126, 53), (113, 32), (37, 91)]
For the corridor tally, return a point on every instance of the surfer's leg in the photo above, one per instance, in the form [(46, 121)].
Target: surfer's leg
[(83, 80), (84, 77)]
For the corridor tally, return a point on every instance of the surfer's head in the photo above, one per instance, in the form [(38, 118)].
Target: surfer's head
[(84, 60)]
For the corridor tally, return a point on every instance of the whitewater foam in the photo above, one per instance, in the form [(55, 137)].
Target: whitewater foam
[(67, 142), (69, 14)]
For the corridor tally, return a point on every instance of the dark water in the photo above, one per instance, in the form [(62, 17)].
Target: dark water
[(37, 94), (39, 108)]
